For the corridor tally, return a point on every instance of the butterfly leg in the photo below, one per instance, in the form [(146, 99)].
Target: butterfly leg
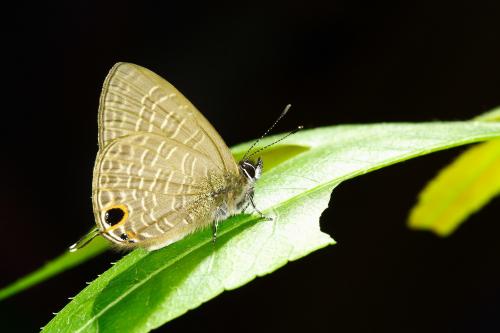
[(262, 216), (215, 225), (246, 207)]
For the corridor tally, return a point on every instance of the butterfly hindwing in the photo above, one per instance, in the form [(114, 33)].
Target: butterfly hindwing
[(162, 186)]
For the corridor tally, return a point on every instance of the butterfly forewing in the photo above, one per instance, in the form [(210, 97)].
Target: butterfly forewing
[(134, 99), (159, 162)]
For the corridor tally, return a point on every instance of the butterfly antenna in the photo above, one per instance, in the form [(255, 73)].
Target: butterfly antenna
[(280, 139), (285, 111)]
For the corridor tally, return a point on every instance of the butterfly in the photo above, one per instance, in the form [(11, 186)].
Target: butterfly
[(162, 171)]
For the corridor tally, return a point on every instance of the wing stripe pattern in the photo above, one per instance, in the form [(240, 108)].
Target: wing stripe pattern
[(135, 99)]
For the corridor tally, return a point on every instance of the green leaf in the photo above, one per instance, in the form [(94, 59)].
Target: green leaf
[(459, 190), (147, 289), (54, 267)]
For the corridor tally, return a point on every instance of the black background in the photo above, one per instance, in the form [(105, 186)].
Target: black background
[(336, 62)]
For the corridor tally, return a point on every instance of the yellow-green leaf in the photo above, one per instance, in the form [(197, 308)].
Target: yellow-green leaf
[(459, 190)]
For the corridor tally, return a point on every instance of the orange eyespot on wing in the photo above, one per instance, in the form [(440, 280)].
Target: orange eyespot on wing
[(115, 216)]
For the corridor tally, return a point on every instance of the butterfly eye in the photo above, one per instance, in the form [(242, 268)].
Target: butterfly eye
[(248, 169), (115, 215)]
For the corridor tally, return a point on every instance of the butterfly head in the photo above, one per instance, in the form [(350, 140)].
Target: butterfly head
[(251, 170)]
